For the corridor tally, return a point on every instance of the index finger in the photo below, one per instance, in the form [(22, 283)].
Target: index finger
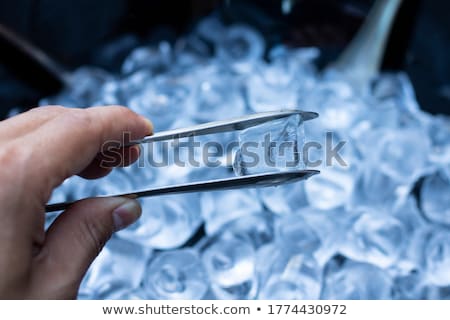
[(69, 142)]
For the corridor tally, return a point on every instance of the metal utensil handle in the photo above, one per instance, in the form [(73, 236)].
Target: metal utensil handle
[(226, 125), (257, 180)]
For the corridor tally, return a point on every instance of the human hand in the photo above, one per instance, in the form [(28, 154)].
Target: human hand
[(39, 149)]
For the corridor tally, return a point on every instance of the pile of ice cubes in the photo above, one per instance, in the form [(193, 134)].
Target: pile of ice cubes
[(375, 224)]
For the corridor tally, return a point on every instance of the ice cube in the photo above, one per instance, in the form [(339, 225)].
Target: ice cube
[(116, 182), (163, 100), (376, 238), (439, 133), (409, 287), (176, 274), (255, 228), (414, 224), (284, 199), (155, 59), (395, 89), (117, 290), (402, 154), (191, 51), (435, 198), (279, 82), (221, 207), (376, 189), (273, 146), (334, 99), (331, 189), (119, 260), (410, 216), (218, 96), (211, 28), (230, 264), (166, 222), (272, 85), (295, 235), (391, 105), (109, 94), (437, 293), (331, 226), (140, 174), (436, 256), (356, 281), (241, 47), (297, 277)]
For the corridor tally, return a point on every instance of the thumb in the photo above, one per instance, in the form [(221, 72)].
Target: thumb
[(76, 238)]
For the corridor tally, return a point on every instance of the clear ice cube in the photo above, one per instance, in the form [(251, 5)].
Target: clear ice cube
[(284, 199), (292, 277), (376, 189), (331, 226), (166, 222), (296, 235), (409, 287), (402, 154), (230, 264), (117, 290), (376, 238), (435, 198), (257, 228), (218, 96), (241, 47), (221, 207), (335, 100), (176, 274), (270, 85), (356, 281), (119, 261), (436, 256), (163, 100), (439, 133), (155, 59), (331, 189), (273, 146)]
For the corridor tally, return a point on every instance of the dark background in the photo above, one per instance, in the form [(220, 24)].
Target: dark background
[(73, 32)]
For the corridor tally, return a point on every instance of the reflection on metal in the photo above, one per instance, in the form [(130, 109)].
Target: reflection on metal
[(362, 58), (251, 181)]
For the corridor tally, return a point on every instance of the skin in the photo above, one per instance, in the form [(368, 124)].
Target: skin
[(39, 150)]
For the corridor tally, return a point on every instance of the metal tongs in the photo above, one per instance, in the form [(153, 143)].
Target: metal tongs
[(255, 180)]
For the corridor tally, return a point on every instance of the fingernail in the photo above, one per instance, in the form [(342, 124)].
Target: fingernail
[(149, 124), (126, 214)]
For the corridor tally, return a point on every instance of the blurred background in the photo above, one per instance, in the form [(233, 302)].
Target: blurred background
[(74, 32)]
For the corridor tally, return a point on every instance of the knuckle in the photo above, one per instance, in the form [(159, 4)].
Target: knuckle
[(22, 168), (52, 108), (13, 155), (125, 113), (47, 111), (80, 118)]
